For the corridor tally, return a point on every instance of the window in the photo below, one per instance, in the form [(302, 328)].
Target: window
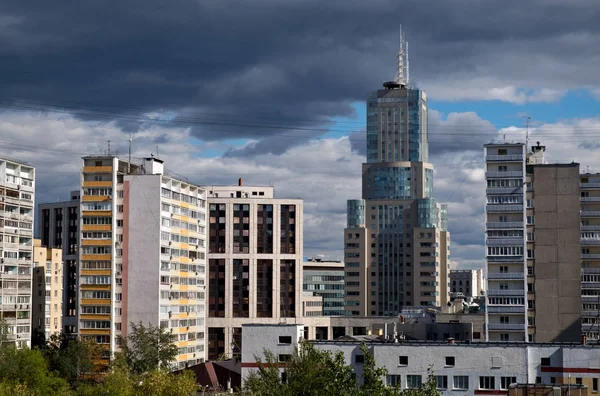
[(594, 384), (413, 381), (545, 361), (530, 253), (504, 337), (450, 360), (461, 382), (393, 380), (442, 381), (487, 382), (359, 359), (285, 357), (530, 219), (506, 381), (285, 339), (578, 381), (402, 360), (530, 203)]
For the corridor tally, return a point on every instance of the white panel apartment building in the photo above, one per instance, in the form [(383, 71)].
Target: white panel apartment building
[(142, 254), (255, 262), (17, 185), (460, 368), (469, 282)]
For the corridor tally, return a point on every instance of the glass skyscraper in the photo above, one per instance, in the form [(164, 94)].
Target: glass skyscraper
[(396, 241)]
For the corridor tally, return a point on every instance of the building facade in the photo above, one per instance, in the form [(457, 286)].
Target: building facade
[(58, 228), (396, 241), (469, 282), (459, 368), (17, 186), (142, 254), (326, 279), (47, 294), (590, 255), (532, 246), (254, 262)]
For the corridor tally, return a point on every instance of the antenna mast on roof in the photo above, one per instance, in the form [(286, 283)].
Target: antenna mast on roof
[(527, 118), (109, 147), (129, 163), (402, 71)]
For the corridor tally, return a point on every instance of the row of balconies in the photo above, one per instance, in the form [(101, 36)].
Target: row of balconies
[(504, 190), (590, 213), (506, 326), (505, 174), (505, 225), (506, 275), (517, 157), (510, 292), (504, 208), (506, 309), (589, 185), (519, 241)]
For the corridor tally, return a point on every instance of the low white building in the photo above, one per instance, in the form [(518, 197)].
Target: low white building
[(460, 368)]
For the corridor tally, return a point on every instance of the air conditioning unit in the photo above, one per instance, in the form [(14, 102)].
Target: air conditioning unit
[(170, 243), (171, 258)]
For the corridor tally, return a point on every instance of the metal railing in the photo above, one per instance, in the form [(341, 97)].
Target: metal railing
[(511, 292), (506, 309), (504, 225), (506, 157), (504, 208), (505, 242), (506, 326), (506, 275), (504, 174)]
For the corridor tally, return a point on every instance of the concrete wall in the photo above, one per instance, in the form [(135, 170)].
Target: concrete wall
[(143, 251), (557, 253)]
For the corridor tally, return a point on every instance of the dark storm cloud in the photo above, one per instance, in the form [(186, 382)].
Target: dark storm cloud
[(238, 69)]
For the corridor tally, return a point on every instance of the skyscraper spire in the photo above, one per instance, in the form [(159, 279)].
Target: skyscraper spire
[(402, 72)]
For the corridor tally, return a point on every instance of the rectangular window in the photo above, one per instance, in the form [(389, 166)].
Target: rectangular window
[(545, 361), (442, 381), (460, 382), (285, 339), (487, 382), (393, 380), (450, 360), (594, 384), (506, 381), (413, 381), (403, 360), (285, 358), (359, 359)]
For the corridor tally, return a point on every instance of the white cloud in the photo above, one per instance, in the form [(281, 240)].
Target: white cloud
[(324, 173)]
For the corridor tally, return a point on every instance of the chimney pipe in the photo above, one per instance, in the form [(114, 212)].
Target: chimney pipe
[(240, 182), (583, 339), (450, 340)]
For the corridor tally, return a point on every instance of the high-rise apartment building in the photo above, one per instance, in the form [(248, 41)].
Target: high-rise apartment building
[(142, 254), (532, 246), (58, 228), (396, 240), (326, 279), (47, 294), (17, 186), (590, 255), (469, 282), (254, 262)]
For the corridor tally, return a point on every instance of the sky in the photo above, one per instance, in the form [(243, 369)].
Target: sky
[(274, 92)]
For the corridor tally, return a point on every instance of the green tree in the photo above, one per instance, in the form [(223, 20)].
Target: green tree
[(146, 349), (26, 371), (72, 357)]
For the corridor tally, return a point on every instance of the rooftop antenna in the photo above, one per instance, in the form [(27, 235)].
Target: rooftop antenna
[(109, 147), (129, 163), (527, 118), (402, 71), (157, 156)]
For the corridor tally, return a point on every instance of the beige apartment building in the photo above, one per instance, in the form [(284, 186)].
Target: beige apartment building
[(142, 255), (17, 186), (254, 263), (47, 313), (532, 246)]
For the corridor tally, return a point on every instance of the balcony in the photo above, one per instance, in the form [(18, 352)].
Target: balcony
[(506, 309), (590, 285), (506, 157), (593, 299), (507, 326), (590, 327), (512, 292), (505, 259), (506, 275), (590, 241), (25, 231), (505, 225), (589, 185), (512, 174), (589, 199), (588, 271), (505, 242), (590, 213), (9, 261), (590, 228), (590, 256), (504, 208), (97, 169), (504, 190), (590, 313)]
